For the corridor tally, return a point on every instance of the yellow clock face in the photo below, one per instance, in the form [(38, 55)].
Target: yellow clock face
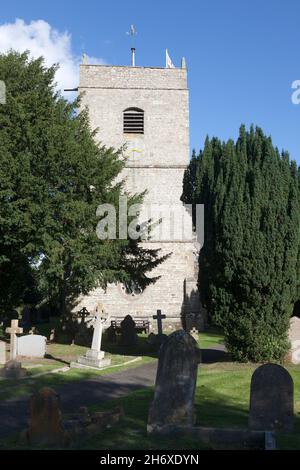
[(134, 151)]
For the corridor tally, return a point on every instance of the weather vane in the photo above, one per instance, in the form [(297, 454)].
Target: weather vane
[(132, 33)]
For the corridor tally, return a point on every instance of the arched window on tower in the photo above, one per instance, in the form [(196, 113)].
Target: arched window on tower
[(133, 121)]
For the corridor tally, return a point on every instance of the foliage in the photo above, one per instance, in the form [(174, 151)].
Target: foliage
[(53, 176), (249, 263)]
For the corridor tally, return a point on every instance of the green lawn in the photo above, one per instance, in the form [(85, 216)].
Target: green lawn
[(60, 355), (210, 338), (222, 400)]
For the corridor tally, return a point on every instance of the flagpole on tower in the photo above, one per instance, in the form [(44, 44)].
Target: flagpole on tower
[(133, 56), (132, 33)]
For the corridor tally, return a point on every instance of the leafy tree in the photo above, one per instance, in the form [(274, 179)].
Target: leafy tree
[(249, 263), (53, 176)]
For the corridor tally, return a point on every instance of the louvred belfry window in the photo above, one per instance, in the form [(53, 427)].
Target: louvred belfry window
[(133, 121)]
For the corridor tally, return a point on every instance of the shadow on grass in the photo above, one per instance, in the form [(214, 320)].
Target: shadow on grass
[(210, 356), (142, 348), (213, 409), (218, 410), (88, 390), (57, 359)]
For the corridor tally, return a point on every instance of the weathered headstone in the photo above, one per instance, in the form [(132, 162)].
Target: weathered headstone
[(111, 335), (84, 335), (128, 332), (294, 338), (175, 385), (45, 427), (31, 346), (13, 370), (13, 330), (271, 399), (94, 357), (2, 352)]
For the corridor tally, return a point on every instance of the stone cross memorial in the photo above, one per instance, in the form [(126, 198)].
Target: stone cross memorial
[(271, 399), (173, 402), (159, 317), (83, 314), (13, 330), (94, 357)]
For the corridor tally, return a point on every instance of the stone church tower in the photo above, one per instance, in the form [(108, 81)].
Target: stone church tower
[(147, 110)]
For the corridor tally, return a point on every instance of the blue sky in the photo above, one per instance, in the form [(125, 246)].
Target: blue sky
[(242, 56)]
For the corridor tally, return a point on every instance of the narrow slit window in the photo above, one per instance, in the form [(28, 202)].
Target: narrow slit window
[(133, 121)]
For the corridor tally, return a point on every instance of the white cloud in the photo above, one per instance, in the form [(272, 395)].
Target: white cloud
[(42, 40)]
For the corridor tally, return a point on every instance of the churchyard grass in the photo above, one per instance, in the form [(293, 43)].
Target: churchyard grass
[(60, 355), (222, 400), (209, 338)]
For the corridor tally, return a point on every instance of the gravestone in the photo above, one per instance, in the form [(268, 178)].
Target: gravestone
[(31, 345), (45, 427), (173, 402), (159, 317), (157, 340), (128, 332), (52, 335), (94, 357), (195, 334), (13, 370), (13, 330), (294, 338), (2, 352), (271, 399), (84, 334), (111, 335)]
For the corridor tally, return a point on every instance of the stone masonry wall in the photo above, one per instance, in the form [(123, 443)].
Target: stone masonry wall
[(166, 294), (156, 162)]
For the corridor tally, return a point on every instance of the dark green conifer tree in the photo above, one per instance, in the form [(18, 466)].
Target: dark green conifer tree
[(249, 264), (53, 176)]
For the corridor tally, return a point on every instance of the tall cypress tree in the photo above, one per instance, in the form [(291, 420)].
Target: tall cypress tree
[(249, 264)]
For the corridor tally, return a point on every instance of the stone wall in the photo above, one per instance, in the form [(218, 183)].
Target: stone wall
[(156, 161), (167, 294), (163, 96)]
